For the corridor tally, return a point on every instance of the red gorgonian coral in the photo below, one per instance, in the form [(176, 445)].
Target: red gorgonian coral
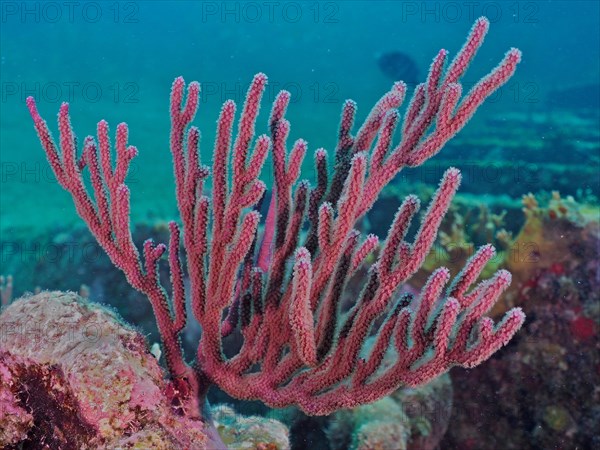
[(298, 349)]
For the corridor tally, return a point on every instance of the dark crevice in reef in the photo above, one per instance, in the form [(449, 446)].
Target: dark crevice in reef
[(45, 394)]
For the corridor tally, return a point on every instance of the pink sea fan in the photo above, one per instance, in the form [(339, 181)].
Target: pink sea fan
[(297, 349)]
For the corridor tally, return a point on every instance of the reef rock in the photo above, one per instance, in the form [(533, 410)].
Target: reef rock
[(73, 375)]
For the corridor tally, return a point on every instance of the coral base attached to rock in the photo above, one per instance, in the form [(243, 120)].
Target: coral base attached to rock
[(75, 376)]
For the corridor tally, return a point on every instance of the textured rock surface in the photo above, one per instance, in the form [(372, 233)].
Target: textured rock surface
[(74, 376), (249, 433), (15, 420), (409, 419)]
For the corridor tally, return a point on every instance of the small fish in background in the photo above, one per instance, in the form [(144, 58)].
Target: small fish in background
[(399, 66)]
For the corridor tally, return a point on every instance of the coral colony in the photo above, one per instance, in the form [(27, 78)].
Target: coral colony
[(280, 286)]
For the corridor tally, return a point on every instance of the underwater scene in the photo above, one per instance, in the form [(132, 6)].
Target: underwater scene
[(323, 225)]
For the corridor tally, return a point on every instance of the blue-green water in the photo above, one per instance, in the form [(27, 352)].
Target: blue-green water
[(116, 61)]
